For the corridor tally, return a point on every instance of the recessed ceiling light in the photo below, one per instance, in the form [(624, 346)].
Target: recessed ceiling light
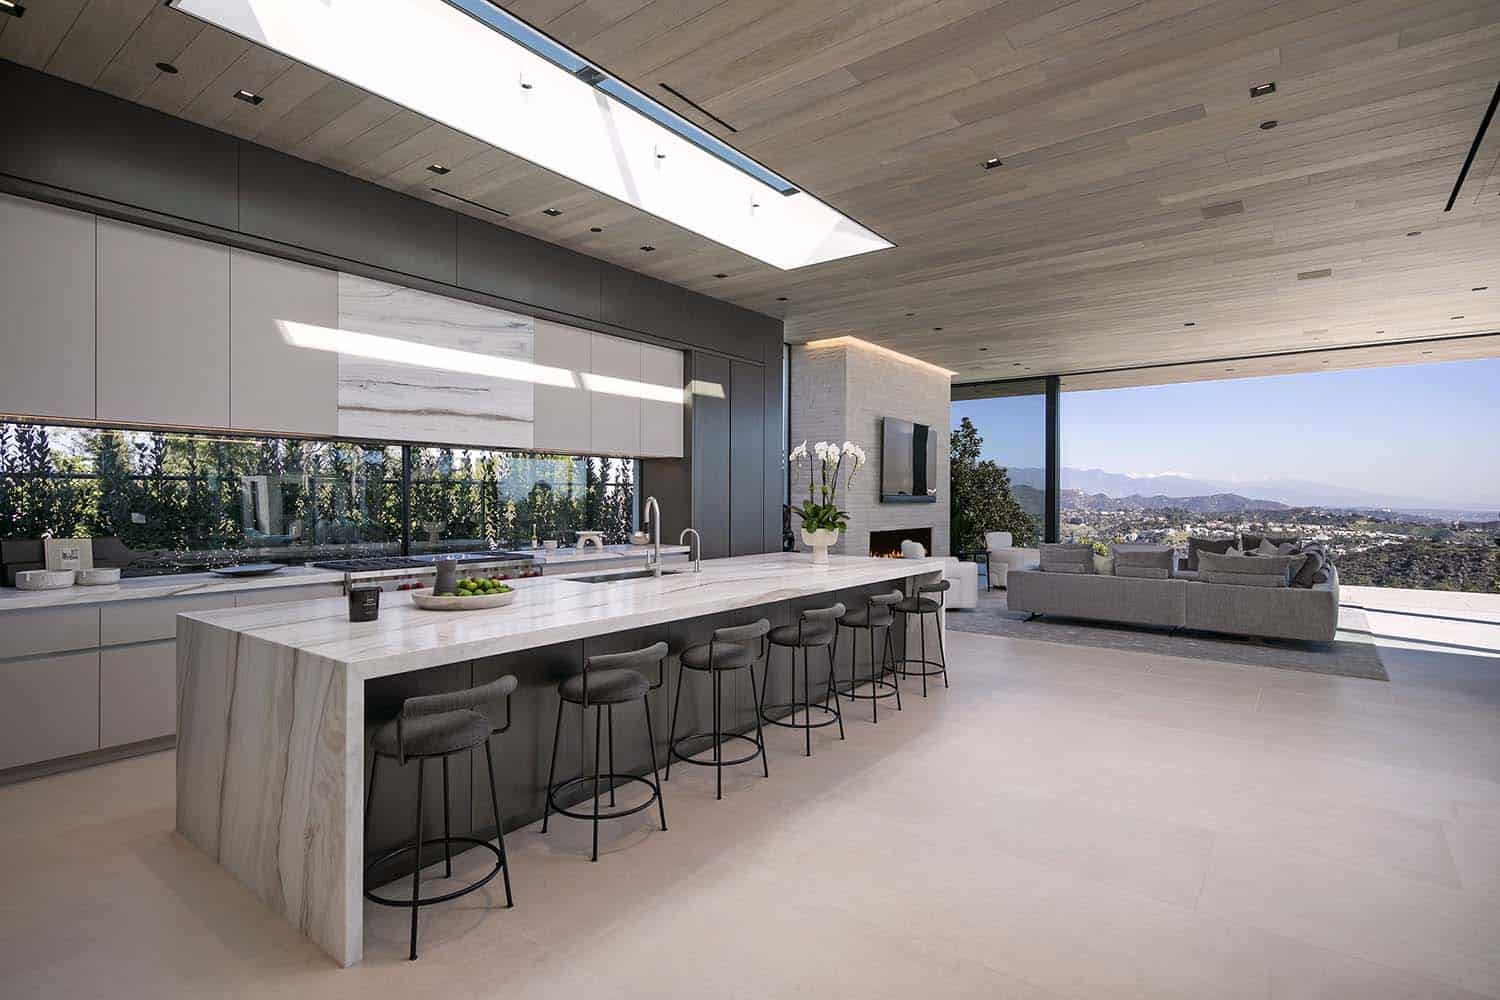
[(648, 248), (983, 349), (167, 68), (1415, 232), (554, 212), (1269, 124), (721, 276), (1455, 317), (1262, 89), (1322, 272), (437, 168), (248, 97), (596, 229), (781, 298), (1018, 364), (1480, 288), (937, 329), (991, 163), (1426, 352), (1190, 324), (1229, 369), (911, 314), (441, 60), (12, 8)]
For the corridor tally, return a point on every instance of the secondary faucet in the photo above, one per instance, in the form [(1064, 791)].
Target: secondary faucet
[(696, 549), (654, 523)]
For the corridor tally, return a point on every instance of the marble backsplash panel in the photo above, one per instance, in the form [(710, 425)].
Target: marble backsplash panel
[(388, 400)]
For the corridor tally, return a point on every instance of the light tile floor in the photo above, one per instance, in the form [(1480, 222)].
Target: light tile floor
[(1063, 822)]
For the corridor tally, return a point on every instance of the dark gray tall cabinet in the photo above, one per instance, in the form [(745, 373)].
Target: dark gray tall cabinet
[(747, 465)]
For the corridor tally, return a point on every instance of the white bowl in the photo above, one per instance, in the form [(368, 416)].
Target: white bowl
[(44, 579), (98, 577), (425, 600)]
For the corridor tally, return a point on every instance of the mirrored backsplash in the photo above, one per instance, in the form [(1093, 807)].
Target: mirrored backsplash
[(181, 501)]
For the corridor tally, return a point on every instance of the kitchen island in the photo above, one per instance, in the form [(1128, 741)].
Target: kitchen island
[(273, 703)]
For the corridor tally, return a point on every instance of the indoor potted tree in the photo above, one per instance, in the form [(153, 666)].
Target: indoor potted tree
[(822, 520)]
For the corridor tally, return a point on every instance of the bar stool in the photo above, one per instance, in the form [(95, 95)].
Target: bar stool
[(441, 725), (815, 627), (607, 680), (874, 615), (724, 652), (922, 607)]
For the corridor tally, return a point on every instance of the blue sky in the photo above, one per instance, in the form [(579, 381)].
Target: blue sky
[(1417, 430)]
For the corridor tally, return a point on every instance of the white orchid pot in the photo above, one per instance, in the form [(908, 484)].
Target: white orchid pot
[(819, 541)]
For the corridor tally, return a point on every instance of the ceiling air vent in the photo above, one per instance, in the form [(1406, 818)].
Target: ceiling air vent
[(1227, 208), (1322, 272)]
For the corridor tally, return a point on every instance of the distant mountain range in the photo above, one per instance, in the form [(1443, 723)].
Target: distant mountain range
[(1208, 496)]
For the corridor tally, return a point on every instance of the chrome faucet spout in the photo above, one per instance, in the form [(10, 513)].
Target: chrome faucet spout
[(696, 549), (654, 523)]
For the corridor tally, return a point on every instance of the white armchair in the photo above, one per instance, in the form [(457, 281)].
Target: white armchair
[(1005, 557)]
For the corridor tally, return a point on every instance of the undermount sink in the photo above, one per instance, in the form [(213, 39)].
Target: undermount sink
[(634, 574)]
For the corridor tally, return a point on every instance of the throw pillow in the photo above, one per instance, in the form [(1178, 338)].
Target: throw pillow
[(1250, 542), (1055, 556), (1314, 561), (1138, 556), (1143, 572), (1268, 548), (1216, 545)]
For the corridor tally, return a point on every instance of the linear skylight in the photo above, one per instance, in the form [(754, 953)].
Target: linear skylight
[(478, 70)]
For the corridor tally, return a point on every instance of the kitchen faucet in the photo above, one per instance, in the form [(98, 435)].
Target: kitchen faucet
[(698, 548), (654, 523)]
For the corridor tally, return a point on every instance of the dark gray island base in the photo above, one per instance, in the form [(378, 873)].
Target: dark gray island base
[(266, 759)]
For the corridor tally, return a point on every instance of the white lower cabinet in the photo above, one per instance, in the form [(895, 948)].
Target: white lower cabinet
[(137, 693), (49, 708)]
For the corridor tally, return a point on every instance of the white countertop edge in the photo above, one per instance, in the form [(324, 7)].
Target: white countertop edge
[(405, 638)]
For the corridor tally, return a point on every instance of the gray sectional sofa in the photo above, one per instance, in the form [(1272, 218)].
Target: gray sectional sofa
[(1182, 601)]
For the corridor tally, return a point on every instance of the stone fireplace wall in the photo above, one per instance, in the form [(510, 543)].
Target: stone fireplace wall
[(839, 392)]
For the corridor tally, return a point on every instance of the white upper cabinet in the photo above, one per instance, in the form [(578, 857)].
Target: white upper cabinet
[(420, 367), (275, 385), (661, 421), (46, 310), (564, 416), (615, 398), (163, 328)]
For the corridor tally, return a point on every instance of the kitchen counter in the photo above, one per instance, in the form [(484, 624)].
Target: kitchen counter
[(272, 702), (550, 558), (152, 587)]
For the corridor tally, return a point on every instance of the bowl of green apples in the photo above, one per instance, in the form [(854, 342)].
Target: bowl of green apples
[(471, 593)]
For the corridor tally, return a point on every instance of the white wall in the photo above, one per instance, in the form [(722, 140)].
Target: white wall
[(840, 392)]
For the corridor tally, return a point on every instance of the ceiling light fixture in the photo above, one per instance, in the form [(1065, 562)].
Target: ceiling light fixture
[(1456, 317), (1190, 324), (437, 168), (1268, 124), (441, 58), (648, 248), (554, 212), (983, 349), (1262, 89), (1480, 288), (721, 275), (991, 163), (12, 8), (167, 68), (248, 97), (596, 229), (937, 329), (1415, 232), (781, 298)]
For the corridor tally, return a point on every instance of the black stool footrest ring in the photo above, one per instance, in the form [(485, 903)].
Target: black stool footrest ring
[(831, 713), (687, 758), (902, 665), (445, 897), (883, 688), (613, 780)]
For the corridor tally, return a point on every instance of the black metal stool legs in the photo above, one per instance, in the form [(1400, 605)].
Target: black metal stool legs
[(552, 769), (489, 760), (598, 714), (760, 733), (416, 865), (661, 805)]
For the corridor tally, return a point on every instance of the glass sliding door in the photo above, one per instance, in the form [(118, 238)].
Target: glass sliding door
[(999, 462)]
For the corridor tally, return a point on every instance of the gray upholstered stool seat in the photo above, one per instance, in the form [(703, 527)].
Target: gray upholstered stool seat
[(819, 634), (729, 650), (431, 735), (608, 679), (440, 725), (870, 616), (917, 606), (605, 687), (726, 656)]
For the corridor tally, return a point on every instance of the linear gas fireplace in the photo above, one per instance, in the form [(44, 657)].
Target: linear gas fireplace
[(887, 544)]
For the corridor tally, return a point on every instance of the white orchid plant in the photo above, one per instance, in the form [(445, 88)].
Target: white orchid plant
[(826, 464)]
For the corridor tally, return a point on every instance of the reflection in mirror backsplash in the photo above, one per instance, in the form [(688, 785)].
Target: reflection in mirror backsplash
[(183, 501)]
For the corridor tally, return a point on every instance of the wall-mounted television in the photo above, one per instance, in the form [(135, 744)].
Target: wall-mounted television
[(908, 462)]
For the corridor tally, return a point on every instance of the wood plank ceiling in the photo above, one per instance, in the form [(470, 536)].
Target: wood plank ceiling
[(1138, 193)]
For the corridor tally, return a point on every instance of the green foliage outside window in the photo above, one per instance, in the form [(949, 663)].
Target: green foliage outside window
[(981, 496)]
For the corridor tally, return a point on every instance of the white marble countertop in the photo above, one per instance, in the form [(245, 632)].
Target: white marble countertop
[(548, 610), (569, 554), (148, 587)]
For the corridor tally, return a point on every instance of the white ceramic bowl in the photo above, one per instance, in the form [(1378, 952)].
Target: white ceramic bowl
[(425, 600), (98, 577), (44, 579)]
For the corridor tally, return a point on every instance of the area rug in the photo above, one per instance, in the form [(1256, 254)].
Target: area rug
[(1350, 654)]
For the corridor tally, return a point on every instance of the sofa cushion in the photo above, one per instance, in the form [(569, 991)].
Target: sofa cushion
[(1305, 575), (1143, 572), (1142, 556), (1056, 556), (1214, 568), (1250, 543), (1197, 545), (1243, 579)]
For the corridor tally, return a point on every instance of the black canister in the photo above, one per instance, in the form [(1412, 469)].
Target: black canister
[(364, 602)]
